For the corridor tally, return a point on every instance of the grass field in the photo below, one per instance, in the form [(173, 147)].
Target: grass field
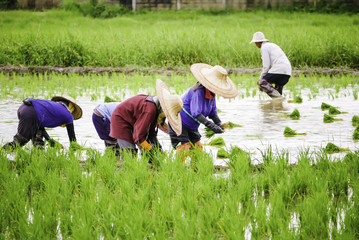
[(172, 39)]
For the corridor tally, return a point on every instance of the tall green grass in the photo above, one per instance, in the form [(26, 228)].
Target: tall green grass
[(176, 39), (47, 194)]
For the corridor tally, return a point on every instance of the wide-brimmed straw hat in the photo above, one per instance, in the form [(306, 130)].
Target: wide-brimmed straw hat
[(171, 106), (77, 113), (259, 37), (215, 79)]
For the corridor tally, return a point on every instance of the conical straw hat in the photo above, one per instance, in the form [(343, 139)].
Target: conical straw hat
[(77, 113), (171, 106), (215, 79)]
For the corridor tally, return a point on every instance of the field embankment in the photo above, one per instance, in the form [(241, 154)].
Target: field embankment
[(173, 39)]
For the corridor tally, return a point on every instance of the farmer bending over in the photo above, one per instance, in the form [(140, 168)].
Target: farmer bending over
[(101, 119), (198, 104), (36, 114), (136, 120), (276, 66)]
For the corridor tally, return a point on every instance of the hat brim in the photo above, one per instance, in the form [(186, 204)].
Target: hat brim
[(173, 118), (260, 40), (228, 91), (77, 113)]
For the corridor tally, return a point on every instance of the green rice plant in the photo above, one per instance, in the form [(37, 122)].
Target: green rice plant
[(325, 106), (217, 142), (109, 99), (222, 153), (331, 148), (329, 119), (355, 120), (295, 115), (356, 133), (297, 99), (334, 111), (288, 132)]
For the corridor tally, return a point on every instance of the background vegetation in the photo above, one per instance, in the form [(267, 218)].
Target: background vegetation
[(176, 39)]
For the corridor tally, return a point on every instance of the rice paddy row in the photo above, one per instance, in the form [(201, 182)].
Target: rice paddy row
[(176, 39), (120, 86), (49, 194)]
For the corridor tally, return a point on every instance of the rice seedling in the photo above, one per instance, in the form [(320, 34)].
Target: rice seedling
[(325, 106), (295, 115), (356, 133), (109, 99), (355, 120), (332, 148), (334, 111), (222, 153), (228, 125), (297, 99), (329, 119), (288, 132), (217, 142)]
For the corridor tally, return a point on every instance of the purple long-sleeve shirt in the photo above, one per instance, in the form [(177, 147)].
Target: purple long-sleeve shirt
[(195, 103), (51, 114)]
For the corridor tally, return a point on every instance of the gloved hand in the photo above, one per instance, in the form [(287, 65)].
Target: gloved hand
[(216, 119), (215, 128), (145, 145), (55, 144)]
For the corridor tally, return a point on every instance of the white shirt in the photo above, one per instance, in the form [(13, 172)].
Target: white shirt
[(274, 60)]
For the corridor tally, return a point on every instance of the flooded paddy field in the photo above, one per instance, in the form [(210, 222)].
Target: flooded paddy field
[(262, 120)]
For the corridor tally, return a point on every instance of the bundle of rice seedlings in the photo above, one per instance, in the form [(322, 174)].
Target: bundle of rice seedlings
[(217, 142), (297, 99), (325, 106), (222, 153), (332, 148), (355, 120), (329, 119), (288, 132), (334, 111), (209, 132), (295, 115), (109, 99)]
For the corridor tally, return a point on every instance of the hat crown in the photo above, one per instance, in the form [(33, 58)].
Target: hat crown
[(259, 37), (216, 72), (174, 102)]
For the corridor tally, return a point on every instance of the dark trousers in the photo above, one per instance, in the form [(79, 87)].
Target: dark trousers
[(279, 80)]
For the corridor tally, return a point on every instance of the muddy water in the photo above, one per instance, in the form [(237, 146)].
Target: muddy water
[(263, 122)]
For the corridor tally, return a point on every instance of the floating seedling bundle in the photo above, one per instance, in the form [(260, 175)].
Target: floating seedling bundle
[(288, 132), (332, 148), (295, 115), (329, 119)]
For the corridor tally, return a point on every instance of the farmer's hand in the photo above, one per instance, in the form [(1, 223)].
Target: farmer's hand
[(55, 144), (215, 128)]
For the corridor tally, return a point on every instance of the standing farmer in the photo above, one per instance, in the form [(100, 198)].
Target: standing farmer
[(276, 66), (36, 114), (135, 121), (199, 103)]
